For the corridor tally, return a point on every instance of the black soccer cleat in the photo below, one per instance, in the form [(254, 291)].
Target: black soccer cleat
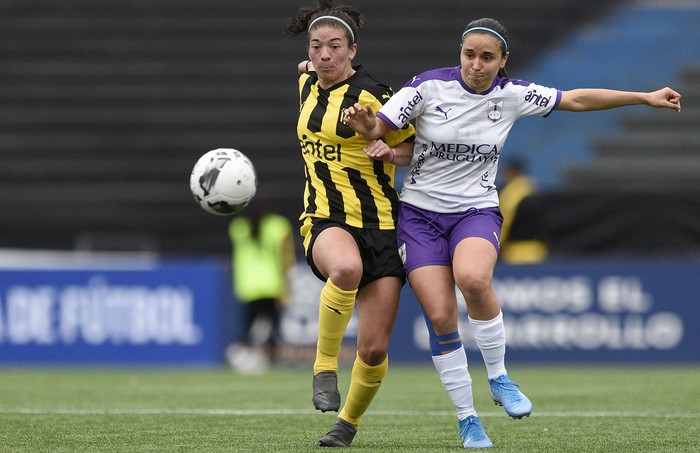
[(326, 395), (341, 435)]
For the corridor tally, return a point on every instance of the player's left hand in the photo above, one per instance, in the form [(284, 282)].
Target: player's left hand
[(666, 98), (379, 150)]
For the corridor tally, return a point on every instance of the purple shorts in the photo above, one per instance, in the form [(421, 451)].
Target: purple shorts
[(429, 238)]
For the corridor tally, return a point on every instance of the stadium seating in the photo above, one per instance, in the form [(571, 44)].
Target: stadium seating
[(106, 105), (652, 152), (623, 182), (643, 46)]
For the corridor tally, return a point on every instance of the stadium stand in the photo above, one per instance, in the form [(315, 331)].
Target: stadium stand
[(651, 152), (621, 182), (106, 105), (638, 46)]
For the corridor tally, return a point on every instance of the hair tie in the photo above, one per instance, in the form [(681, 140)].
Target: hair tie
[(488, 30), (352, 35)]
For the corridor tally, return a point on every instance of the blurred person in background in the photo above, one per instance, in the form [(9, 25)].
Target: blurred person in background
[(449, 221), (262, 254), (349, 217), (517, 186)]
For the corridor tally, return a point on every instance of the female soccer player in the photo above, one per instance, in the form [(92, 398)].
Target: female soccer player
[(350, 212), (449, 221)]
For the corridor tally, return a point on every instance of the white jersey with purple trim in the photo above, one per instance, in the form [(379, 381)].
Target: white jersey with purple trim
[(460, 135)]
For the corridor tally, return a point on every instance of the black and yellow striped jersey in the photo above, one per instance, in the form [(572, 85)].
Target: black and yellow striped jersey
[(342, 183)]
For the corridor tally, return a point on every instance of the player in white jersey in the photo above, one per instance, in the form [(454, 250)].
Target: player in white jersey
[(456, 157), (449, 222)]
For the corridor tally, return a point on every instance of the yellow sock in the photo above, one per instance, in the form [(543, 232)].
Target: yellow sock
[(334, 314), (364, 384)]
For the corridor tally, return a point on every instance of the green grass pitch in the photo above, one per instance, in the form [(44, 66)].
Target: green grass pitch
[(576, 409)]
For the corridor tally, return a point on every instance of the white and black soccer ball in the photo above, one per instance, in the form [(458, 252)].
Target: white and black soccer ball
[(223, 181)]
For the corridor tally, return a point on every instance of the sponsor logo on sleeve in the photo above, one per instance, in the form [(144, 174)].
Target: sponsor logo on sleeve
[(405, 112), (533, 97)]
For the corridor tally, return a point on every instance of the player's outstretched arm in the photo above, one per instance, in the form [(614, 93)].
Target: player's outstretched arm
[(587, 99), (364, 121)]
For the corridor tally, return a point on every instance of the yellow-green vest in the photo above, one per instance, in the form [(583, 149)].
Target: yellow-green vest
[(257, 263)]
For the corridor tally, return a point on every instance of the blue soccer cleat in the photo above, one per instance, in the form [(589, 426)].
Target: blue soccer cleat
[(505, 393), (472, 433)]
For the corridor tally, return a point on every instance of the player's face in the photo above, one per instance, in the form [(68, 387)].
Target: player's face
[(481, 58), (331, 55)]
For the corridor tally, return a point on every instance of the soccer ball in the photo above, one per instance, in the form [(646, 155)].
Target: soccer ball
[(223, 181)]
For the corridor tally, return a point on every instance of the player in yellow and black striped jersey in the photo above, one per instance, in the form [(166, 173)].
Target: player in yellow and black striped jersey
[(342, 183), (351, 206)]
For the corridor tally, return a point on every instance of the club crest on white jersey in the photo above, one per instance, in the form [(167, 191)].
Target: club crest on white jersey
[(495, 110)]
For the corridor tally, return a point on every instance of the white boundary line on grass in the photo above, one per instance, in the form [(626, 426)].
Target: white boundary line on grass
[(563, 414)]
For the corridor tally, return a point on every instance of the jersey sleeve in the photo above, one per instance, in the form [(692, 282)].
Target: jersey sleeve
[(405, 105), (406, 134), (536, 99), (305, 82), (378, 98)]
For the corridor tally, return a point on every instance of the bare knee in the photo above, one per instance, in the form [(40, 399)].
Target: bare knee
[(346, 275), (475, 286), (373, 353), (443, 321)]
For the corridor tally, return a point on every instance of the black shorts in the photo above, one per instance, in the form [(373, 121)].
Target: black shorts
[(378, 250)]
